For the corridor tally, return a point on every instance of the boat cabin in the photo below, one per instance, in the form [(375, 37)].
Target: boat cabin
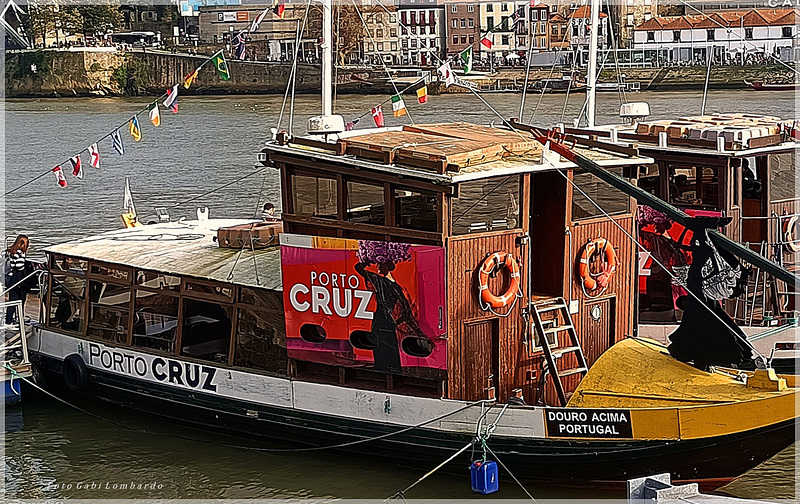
[(738, 165), (433, 260)]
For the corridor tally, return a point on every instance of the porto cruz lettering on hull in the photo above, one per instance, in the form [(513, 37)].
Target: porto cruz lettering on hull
[(185, 374), (588, 423)]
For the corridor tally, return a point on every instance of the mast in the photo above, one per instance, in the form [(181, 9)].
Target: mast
[(591, 72), (327, 57), (327, 122)]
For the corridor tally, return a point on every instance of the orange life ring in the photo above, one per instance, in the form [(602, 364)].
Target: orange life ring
[(591, 248), (789, 241), (494, 263)]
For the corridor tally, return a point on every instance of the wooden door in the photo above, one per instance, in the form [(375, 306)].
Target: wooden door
[(479, 358), (597, 328)]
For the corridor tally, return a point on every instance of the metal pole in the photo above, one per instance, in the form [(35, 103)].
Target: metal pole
[(327, 57), (705, 88), (591, 72)]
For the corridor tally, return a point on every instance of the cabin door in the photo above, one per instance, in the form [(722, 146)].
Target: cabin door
[(754, 199), (480, 359)]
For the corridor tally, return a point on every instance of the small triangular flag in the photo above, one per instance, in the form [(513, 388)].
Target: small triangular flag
[(154, 114), (171, 102), (422, 94), (133, 127), (116, 141), (398, 106), (94, 156), (77, 170), (59, 173)]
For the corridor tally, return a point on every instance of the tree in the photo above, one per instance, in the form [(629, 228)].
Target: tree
[(348, 27), (98, 19)]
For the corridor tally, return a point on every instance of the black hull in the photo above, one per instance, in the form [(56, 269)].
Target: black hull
[(710, 461)]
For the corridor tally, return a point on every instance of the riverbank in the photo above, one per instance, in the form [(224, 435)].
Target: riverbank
[(101, 73)]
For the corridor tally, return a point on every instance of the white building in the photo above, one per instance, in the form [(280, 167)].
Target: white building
[(743, 36), (496, 18), (580, 26), (381, 43), (422, 31)]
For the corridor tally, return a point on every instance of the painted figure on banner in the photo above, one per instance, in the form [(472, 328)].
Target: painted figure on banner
[(394, 319)]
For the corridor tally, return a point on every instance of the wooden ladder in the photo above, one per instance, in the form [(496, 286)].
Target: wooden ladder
[(552, 354)]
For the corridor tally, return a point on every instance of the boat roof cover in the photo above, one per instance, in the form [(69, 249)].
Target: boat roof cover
[(185, 248), (449, 153), (640, 373)]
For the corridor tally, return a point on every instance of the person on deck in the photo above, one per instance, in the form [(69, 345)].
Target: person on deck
[(15, 273), (268, 213)]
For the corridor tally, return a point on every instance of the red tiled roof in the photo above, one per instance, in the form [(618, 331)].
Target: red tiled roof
[(557, 18), (584, 11), (753, 17)]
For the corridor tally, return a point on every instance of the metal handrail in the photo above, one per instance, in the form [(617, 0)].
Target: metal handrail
[(21, 320), (36, 272)]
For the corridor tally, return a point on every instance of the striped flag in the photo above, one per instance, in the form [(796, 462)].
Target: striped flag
[(94, 156), (240, 47), (59, 173), (171, 102), (133, 127), (116, 140), (280, 9), (189, 79), (154, 114), (486, 41), (77, 170), (422, 94), (398, 106)]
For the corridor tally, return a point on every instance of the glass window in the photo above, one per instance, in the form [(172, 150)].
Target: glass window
[(156, 280), (66, 303), (109, 311), (650, 179), (260, 340), (613, 201), (206, 330), (113, 273), (210, 290), (155, 320), (486, 205), (782, 169), (365, 203), (416, 210), (69, 265), (685, 188), (471, 23), (470, 8), (315, 196)]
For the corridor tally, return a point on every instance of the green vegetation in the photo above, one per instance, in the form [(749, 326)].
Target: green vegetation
[(48, 19), (132, 76), (42, 59)]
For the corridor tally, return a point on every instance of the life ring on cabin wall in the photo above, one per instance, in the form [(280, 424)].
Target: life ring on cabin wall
[(493, 264), (590, 280), (789, 239)]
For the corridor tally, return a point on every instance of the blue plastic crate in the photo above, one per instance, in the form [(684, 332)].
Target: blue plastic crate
[(483, 476)]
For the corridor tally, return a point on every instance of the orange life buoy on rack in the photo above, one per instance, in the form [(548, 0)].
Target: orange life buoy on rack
[(494, 263), (592, 247), (789, 240)]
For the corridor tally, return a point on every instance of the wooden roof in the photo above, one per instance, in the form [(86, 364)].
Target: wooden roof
[(441, 147)]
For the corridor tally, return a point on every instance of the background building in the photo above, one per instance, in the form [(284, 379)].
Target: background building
[(382, 42), (726, 37), (462, 26), (421, 32), (495, 18), (580, 33)]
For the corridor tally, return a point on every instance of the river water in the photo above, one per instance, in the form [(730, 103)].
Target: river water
[(212, 142)]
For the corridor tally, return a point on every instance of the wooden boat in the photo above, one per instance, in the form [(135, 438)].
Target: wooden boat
[(773, 86), (422, 292), (286, 344)]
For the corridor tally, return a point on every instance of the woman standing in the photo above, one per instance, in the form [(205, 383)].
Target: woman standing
[(15, 272)]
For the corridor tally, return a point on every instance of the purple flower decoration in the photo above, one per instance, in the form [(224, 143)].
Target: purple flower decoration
[(382, 252), (649, 215)]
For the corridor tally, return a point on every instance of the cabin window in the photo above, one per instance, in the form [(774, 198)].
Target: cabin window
[(416, 210), (782, 176), (155, 320), (365, 203), (206, 331), (209, 290), (66, 303), (115, 274), (650, 179), (315, 196), (687, 188), (260, 340), (363, 340), (109, 312), (486, 205), (71, 265), (158, 281), (611, 200), (313, 333)]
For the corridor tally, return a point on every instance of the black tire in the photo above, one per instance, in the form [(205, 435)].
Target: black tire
[(76, 377)]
